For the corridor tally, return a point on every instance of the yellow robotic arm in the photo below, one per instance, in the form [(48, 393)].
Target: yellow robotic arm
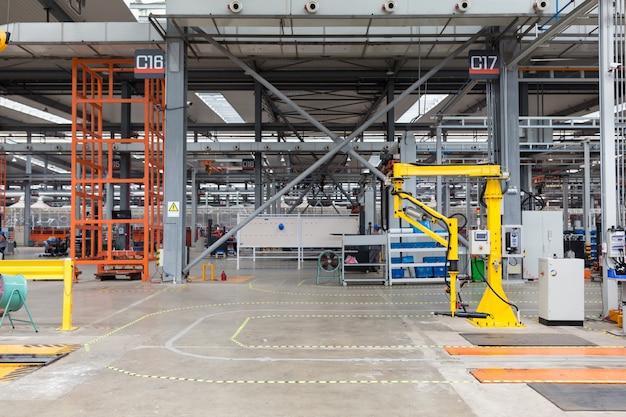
[(4, 40), (494, 310)]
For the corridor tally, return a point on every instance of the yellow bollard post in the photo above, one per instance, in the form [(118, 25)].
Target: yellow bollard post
[(68, 282), (204, 272)]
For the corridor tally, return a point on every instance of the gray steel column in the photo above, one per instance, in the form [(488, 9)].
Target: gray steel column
[(194, 206), (126, 132), (391, 114), (525, 170), (566, 201), (587, 192), (258, 132), (407, 156), (607, 135), (124, 171), (28, 221), (508, 134), (439, 160), (175, 157)]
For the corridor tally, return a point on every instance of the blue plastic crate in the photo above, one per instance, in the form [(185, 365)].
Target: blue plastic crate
[(402, 260), (397, 273), (439, 271), (434, 259), (423, 271)]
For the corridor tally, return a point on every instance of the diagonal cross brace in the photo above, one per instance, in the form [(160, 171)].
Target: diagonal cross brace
[(340, 144)]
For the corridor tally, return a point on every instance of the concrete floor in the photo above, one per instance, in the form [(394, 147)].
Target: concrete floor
[(269, 342)]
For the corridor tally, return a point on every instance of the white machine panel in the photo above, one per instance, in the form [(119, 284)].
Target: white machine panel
[(479, 242), (297, 231), (543, 231), (561, 291)]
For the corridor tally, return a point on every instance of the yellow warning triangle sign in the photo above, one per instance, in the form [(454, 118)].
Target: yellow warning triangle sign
[(173, 207)]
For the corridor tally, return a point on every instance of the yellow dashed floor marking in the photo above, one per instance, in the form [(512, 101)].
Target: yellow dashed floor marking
[(233, 338), (287, 382)]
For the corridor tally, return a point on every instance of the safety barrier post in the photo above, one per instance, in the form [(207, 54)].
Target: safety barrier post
[(204, 272), (68, 285)]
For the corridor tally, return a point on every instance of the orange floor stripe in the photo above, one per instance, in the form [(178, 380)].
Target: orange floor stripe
[(537, 350), (560, 376)]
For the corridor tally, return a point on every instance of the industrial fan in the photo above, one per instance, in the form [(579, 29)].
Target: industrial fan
[(13, 290), (328, 265)]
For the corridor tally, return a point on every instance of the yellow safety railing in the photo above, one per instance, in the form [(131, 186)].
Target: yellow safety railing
[(47, 269)]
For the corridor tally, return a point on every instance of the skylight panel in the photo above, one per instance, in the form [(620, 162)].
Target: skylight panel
[(422, 106), (220, 106), (31, 111)]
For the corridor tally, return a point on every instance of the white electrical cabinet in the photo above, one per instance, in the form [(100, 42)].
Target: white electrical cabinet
[(561, 292), (544, 239)]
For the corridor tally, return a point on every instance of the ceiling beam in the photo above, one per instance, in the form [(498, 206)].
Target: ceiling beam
[(51, 6), (554, 30)]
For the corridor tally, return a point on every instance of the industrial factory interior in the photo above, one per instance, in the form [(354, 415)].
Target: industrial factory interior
[(312, 208)]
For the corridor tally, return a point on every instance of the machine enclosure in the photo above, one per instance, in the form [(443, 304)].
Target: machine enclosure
[(561, 291)]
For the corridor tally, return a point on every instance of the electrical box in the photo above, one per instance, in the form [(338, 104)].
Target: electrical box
[(512, 241), (616, 240), (479, 242), (561, 291)]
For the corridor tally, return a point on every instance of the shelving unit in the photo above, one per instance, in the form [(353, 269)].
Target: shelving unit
[(349, 242), (412, 249), (96, 93)]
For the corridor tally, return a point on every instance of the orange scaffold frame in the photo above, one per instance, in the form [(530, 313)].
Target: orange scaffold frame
[(96, 93)]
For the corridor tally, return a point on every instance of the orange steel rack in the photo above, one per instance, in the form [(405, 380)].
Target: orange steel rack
[(95, 95)]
